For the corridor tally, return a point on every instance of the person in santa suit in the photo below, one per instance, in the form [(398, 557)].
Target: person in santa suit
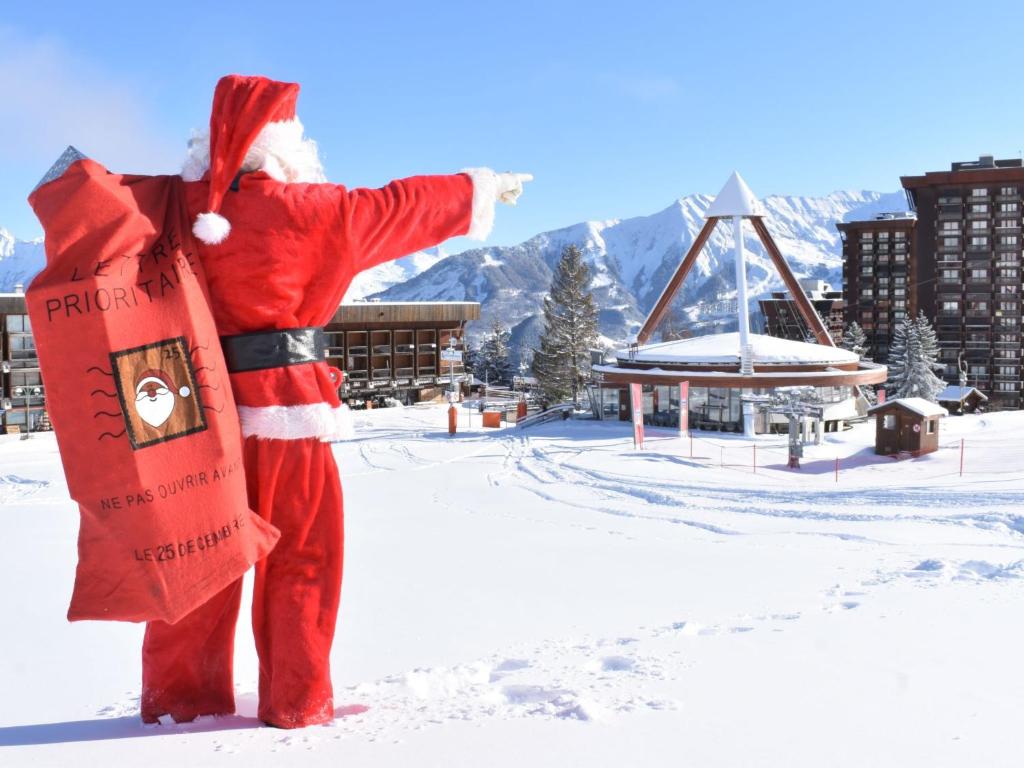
[(279, 248)]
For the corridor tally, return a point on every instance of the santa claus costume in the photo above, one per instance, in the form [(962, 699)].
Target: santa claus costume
[(279, 248)]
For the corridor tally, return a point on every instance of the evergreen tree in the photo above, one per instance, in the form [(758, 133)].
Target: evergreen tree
[(912, 360), (855, 340), (494, 364), (562, 363), (929, 342)]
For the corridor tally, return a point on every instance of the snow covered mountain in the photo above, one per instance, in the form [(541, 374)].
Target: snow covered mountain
[(20, 260), (633, 259), (393, 273)]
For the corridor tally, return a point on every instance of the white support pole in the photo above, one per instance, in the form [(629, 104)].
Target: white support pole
[(743, 318), (741, 284)]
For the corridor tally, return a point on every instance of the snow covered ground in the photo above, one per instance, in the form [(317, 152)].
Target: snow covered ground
[(556, 598)]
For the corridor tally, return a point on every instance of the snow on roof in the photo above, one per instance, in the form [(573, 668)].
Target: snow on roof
[(724, 349), (918, 405), (955, 393), (757, 377), (735, 199)]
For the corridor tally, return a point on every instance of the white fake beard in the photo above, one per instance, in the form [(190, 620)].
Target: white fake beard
[(279, 149), (155, 410)]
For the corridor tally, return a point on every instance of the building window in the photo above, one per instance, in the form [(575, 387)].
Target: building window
[(929, 428), (1008, 306), (951, 275), (951, 226), (951, 307), (1007, 190), (979, 208), (1007, 239), (979, 240), (889, 421), (1008, 207), (899, 235), (979, 192), (979, 274), (867, 293), (865, 236), (979, 224), (951, 242), (882, 236), (866, 247)]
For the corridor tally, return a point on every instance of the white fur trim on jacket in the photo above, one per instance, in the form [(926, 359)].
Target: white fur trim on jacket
[(296, 422), (486, 188)]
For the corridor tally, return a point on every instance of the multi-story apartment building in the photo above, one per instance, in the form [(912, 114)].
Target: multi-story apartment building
[(880, 268), (782, 319), (969, 238)]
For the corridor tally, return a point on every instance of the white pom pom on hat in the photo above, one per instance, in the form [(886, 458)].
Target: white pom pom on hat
[(211, 228)]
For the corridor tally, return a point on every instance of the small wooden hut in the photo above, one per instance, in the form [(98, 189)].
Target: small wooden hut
[(959, 400), (907, 424)]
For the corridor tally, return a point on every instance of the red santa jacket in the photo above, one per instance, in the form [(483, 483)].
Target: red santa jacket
[(293, 251)]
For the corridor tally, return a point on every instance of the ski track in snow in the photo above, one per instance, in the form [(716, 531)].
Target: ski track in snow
[(549, 476), (14, 488)]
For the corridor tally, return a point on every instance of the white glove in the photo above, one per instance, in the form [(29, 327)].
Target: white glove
[(510, 186)]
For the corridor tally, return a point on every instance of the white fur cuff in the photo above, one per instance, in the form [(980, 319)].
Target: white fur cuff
[(296, 422), (486, 188)]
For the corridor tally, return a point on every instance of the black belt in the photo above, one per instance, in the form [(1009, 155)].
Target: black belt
[(273, 349)]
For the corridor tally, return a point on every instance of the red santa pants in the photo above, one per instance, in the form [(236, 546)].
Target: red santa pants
[(187, 666)]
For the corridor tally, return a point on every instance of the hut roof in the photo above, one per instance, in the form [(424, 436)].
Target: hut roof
[(957, 394), (918, 405)]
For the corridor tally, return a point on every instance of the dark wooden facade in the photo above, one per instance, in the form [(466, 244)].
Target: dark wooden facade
[(782, 318), (880, 277), (385, 349), (18, 351), (394, 349), (900, 429)]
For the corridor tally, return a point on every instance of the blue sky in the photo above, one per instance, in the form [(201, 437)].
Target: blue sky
[(616, 108)]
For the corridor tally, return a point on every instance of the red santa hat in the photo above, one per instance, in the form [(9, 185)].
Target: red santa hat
[(242, 106), (154, 377)]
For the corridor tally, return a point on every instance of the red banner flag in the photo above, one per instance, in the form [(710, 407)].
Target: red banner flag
[(684, 408), (636, 397)]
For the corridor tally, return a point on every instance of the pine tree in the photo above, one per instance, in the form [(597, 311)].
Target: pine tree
[(855, 340), (562, 363), (929, 342), (494, 364), (912, 360)]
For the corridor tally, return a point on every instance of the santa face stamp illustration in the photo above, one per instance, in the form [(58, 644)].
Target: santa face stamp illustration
[(156, 387)]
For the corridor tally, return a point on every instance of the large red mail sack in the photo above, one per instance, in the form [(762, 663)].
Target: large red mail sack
[(138, 394)]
